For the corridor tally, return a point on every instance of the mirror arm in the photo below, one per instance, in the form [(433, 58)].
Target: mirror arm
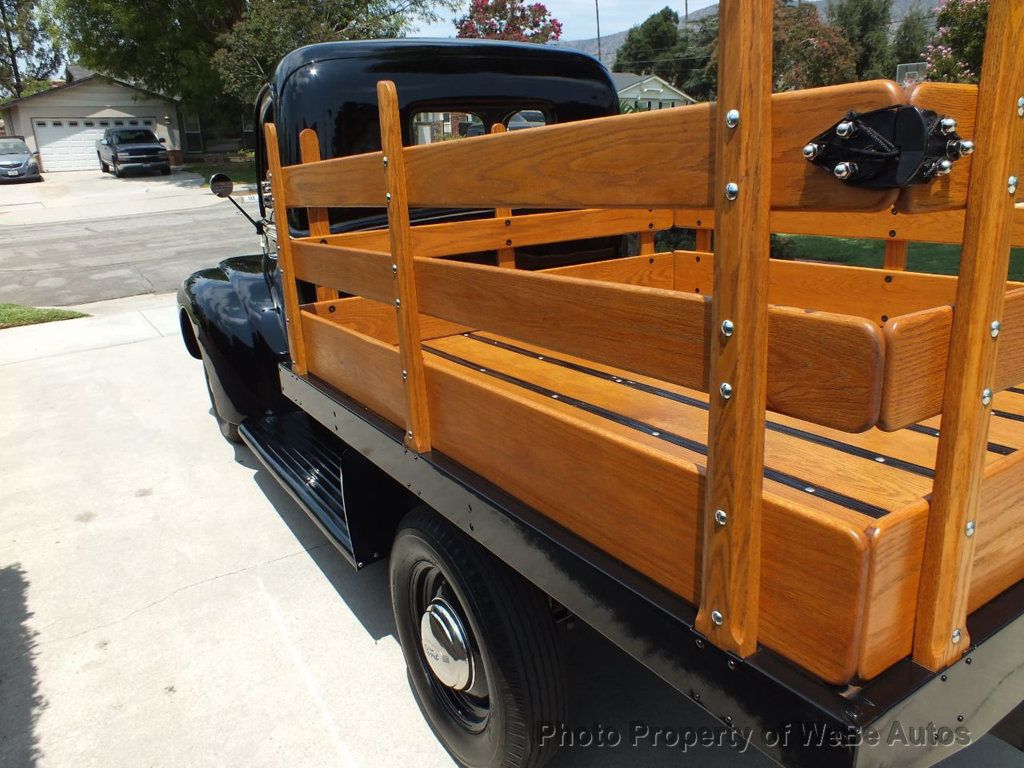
[(257, 224)]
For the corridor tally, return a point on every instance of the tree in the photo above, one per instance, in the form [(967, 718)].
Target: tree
[(651, 47), (865, 24), (912, 36), (509, 20), (808, 53), (955, 54), (249, 51), (26, 55), (163, 46)]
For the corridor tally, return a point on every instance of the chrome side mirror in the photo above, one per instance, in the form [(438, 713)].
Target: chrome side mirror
[(221, 185)]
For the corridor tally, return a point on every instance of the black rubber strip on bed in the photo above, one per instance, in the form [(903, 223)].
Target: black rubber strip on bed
[(792, 481)]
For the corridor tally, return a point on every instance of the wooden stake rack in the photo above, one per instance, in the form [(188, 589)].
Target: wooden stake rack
[(826, 460)]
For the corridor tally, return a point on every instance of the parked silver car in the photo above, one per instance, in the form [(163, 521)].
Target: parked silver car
[(17, 161)]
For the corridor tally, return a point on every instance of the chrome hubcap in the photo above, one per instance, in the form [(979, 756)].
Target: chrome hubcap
[(446, 645)]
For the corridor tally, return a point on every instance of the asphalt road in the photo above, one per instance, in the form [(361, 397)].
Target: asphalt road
[(77, 262)]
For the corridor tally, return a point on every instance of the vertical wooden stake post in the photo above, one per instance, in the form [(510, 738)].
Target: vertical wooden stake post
[(940, 634), (731, 568), (293, 322), (896, 254), (417, 424), (319, 222), (506, 256)]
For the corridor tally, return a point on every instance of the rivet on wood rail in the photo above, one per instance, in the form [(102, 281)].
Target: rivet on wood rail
[(971, 528), (398, 303), (957, 636), (387, 197), (732, 190), (717, 618), (732, 118), (1011, 185), (995, 328), (394, 269), (721, 517), (405, 375), (409, 433), (385, 161), (726, 390), (728, 327), (986, 396), (1020, 107)]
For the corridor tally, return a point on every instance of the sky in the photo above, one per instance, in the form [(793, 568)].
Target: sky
[(577, 16)]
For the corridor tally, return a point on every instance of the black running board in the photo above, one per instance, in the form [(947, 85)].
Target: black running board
[(306, 459)]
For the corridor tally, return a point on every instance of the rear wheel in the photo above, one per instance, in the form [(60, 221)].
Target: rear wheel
[(480, 645)]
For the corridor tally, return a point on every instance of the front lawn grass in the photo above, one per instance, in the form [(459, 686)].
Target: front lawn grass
[(921, 257), (12, 315), (240, 173)]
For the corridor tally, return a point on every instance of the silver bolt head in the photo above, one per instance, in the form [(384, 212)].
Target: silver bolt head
[(728, 327), (943, 167), (810, 151), (995, 328), (732, 190), (947, 125), (721, 517), (844, 170), (1011, 185), (957, 636), (409, 433), (387, 197), (966, 147), (844, 130), (986, 396), (732, 118), (398, 303), (717, 618), (385, 161), (1020, 107), (971, 528), (726, 390), (394, 269)]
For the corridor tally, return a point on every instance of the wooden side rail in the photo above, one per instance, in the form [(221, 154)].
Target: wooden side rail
[(821, 367), (454, 238), (917, 355), (580, 165), (927, 227), (350, 270)]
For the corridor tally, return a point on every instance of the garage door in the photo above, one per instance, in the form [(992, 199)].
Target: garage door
[(69, 143)]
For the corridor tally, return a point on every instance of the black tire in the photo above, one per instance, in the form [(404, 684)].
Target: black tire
[(227, 429), (103, 166), (117, 170), (512, 634), (165, 171)]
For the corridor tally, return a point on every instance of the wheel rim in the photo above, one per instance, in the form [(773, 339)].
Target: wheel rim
[(449, 653)]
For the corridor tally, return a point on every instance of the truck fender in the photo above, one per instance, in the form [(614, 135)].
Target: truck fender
[(230, 319)]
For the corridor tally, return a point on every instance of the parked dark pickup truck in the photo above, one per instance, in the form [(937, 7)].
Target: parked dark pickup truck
[(132, 149)]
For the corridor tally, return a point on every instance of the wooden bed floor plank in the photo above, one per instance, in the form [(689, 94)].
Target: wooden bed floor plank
[(821, 468)]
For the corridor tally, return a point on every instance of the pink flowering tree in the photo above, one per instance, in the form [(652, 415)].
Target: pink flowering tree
[(509, 20), (955, 53)]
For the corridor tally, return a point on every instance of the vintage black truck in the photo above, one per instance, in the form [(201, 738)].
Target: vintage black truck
[(461, 350)]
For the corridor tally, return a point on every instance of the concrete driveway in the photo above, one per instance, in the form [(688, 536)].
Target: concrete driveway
[(79, 195), (164, 603)]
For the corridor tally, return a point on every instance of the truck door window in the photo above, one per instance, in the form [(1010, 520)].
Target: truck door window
[(526, 118), (431, 127)]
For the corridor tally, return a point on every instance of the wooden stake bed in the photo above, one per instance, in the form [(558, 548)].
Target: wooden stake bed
[(619, 458), (762, 442)]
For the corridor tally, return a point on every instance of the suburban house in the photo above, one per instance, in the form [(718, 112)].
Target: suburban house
[(645, 92), (63, 123)]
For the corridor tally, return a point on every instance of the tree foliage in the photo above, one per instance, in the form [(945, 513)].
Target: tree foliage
[(808, 53), (509, 20), (912, 36), (651, 47), (249, 51), (865, 24), (956, 52), (164, 46), (26, 55)]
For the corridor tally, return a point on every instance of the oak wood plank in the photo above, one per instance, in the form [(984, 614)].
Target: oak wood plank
[(293, 327), (417, 420), (822, 367), (940, 635), (356, 181), (319, 223), (371, 318), (352, 270)]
